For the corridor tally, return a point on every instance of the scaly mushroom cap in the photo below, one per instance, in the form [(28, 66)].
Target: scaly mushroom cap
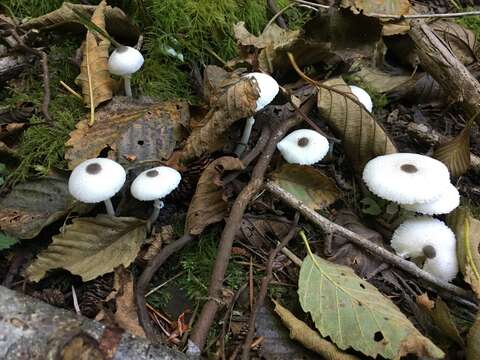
[(125, 60), (155, 183), (268, 88), (304, 147), (427, 237), (406, 178), (447, 202), (96, 180), (362, 96)]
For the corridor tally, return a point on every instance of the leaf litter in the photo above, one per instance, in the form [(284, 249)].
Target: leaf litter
[(350, 304)]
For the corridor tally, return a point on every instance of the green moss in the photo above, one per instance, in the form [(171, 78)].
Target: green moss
[(470, 22), (32, 8)]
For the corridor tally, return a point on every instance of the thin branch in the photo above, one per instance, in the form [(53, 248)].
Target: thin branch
[(272, 4), (330, 228)]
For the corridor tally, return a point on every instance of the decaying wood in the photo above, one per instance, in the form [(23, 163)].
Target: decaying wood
[(30, 329)]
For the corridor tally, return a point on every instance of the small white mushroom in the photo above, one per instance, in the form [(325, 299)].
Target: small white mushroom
[(429, 238), (124, 61), (447, 202), (154, 184), (363, 97), (406, 178), (268, 89), (304, 147), (97, 180)]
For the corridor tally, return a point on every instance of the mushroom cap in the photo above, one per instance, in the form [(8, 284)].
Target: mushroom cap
[(304, 147), (412, 237), (96, 180), (362, 96), (406, 178), (125, 60), (268, 88), (155, 183), (447, 202)]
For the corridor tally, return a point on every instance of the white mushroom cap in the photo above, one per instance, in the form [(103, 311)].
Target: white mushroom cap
[(431, 238), (268, 88), (125, 60), (96, 180), (304, 147), (406, 178), (362, 96), (155, 183), (447, 202)]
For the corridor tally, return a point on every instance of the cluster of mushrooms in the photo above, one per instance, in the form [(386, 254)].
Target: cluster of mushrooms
[(99, 179), (420, 184)]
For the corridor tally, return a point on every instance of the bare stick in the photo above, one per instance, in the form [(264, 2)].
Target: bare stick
[(264, 287), (272, 4), (207, 315), (330, 228)]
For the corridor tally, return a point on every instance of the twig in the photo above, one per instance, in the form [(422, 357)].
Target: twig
[(330, 228), (144, 280), (207, 315), (71, 91), (272, 4), (247, 345)]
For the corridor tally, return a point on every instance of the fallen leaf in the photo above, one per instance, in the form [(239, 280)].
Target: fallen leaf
[(90, 247), (424, 302), (31, 206), (353, 313), (473, 341), (94, 76), (422, 88), (445, 323), (209, 204), (372, 7), (455, 153), (467, 231), (6, 241), (165, 235), (307, 184), (261, 231), (81, 346), (363, 138), (309, 338), (378, 80), (140, 127)]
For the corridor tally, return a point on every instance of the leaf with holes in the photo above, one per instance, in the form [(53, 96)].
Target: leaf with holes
[(455, 154), (90, 247), (363, 138), (353, 313), (307, 184), (366, 7)]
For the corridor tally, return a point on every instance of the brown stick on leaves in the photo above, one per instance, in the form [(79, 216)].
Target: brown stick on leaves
[(207, 315), (445, 68)]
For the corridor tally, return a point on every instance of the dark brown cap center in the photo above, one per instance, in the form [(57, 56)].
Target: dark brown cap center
[(409, 168), (93, 168), (429, 251), (302, 142), (152, 173)]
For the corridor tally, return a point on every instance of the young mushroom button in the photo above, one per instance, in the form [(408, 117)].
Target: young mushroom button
[(362, 96), (154, 184), (124, 61), (304, 147), (97, 180)]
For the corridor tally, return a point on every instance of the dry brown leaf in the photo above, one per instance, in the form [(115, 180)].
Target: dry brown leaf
[(259, 231), (94, 76), (309, 338), (455, 154), (371, 7), (237, 102), (209, 205), (445, 323), (142, 128), (473, 341), (379, 80), (161, 238), (363, 138)]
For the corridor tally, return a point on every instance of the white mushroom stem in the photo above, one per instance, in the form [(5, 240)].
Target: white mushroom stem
[(247, 130), (157, 206), (109, 207), (128, 85)]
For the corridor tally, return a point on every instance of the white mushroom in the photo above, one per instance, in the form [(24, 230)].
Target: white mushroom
[(125, 61), (268, 89), (154, 184), (362, 96), (431, 239), (97, 180), (447, 202), (304, 147), (406, 178)]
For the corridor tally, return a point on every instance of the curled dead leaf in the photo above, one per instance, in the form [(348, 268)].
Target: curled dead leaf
[(455, 154)]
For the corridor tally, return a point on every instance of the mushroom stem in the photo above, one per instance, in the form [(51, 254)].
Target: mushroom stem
[(247, 130), (157, 206), (128, 86), (109, 207)]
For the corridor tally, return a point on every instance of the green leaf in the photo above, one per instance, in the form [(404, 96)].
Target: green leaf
[(6, 241), (455, 154), (307, 184), (91, 247), (355, 314)]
